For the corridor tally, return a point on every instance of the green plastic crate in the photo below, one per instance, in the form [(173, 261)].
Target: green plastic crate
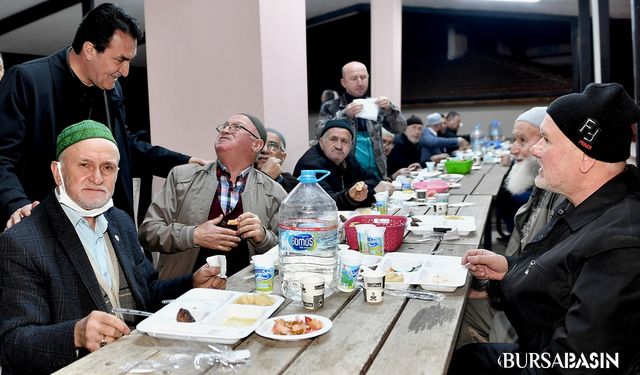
[(458, 166)]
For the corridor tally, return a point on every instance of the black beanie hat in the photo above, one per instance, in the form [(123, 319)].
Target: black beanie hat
[(258, 124), (337, 124), (414, 120), (598, 120)]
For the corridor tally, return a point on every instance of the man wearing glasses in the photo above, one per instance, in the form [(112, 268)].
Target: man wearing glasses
[(271, 158), (225, 208)]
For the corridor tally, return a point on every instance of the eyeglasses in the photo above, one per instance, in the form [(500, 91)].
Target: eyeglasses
[(273, 146), (234, 128)]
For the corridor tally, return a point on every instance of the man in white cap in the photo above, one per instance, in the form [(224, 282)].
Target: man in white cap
[(433, 146), (73, 260), (573, 293)]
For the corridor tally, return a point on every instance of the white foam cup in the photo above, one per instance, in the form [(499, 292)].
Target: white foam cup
[(312, 289)]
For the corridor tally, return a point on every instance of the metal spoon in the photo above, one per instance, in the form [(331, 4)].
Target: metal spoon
[(130, 311)]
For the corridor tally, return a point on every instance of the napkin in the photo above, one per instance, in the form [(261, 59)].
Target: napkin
[(369, 108), (219, 261)]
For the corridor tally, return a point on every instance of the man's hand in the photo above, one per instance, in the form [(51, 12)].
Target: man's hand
[(384, 186), (207, 277), (21, 213), (358, 192), (383, 102), (211, 236), (485, 264), (273, 167), (352, 109), (462, 143), (195, 160), (250, 227), (439, 157), (98, 327), (401, 172), (414, 167)]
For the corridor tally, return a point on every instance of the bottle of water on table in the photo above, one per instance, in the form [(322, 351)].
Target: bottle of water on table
[(308, 235)]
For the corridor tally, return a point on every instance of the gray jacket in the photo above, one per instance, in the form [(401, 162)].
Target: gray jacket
[(184, 203)]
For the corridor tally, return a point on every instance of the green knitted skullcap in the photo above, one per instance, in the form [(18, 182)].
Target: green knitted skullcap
[(86, 129)]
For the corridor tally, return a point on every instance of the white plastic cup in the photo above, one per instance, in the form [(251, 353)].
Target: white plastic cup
[(421, 195), (382, 202), (361, 232), (350, 262), (312, 289), (375, 240), (441, 208), (373, 286), (264, 266), (442, 197), (431, 166)]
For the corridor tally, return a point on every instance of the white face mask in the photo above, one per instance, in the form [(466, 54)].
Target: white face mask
[(65, 199)]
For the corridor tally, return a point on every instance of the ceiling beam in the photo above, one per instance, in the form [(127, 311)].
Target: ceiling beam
[(34, 13)]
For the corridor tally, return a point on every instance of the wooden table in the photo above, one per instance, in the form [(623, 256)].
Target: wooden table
[(400, 335), (484, 181)]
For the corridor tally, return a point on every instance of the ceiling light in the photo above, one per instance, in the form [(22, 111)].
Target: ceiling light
[(518, 1)]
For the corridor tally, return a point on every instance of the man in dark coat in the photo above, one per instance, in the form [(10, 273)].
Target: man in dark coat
[(41, 97), (406, 152), (271, 157), (332, 153), (73, 259)]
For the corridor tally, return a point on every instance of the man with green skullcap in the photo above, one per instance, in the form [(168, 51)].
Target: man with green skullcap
[(75, 258)]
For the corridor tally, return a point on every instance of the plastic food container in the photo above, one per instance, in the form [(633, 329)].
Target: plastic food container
[(459, 166)]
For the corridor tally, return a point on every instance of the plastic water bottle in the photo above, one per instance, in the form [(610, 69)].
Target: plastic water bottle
[(477, 138), (308, 235), (495, 132)]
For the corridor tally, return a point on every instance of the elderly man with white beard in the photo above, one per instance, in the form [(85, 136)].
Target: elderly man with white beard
[(518, 184)]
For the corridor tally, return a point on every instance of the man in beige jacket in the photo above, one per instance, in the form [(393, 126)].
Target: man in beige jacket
[(224, 208)]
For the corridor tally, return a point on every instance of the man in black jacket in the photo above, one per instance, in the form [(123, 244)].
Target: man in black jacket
[(405, 155), (271, 158), (38, 99), (573, 293), (333, 153)]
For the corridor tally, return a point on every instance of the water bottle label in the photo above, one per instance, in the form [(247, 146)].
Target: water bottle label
[(308, 239)]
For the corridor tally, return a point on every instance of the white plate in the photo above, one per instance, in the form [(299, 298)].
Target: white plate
[(265, 328), (371, 260), (451, 177), (464, 224), (401, 196), (438, 273), (428, 174), (453, 185), (215, 314)]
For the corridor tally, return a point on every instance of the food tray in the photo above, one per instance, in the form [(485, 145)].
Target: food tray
[(464, 224), (218, 319), (436, 273)]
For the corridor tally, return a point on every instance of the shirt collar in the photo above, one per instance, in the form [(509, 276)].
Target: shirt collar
[(221, 170), (609, 194)]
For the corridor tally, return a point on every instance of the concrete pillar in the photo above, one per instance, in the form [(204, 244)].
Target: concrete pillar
[(207, 60), (386, 49)]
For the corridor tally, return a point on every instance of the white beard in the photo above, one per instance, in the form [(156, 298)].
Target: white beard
[(522, 175)]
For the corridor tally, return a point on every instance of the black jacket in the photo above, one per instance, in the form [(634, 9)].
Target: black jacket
[(403, 154), (341, 179), (576, 286), (40, 98)]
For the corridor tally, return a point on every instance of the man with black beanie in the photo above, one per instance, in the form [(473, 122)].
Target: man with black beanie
[(573, 294), (405, 156)]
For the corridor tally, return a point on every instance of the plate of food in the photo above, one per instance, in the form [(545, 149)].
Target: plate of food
[(401, 196), (451, 177), (294, 327), (438, 273), (211, 315)]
